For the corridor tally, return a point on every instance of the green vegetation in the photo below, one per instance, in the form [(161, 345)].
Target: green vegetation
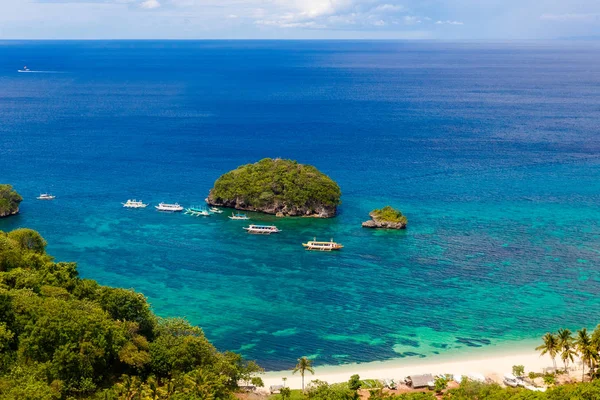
[(63, 337), (274, 185), (468, 390), (9, 200), (389, 214)]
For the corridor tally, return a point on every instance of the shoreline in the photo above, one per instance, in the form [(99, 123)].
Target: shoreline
[(493, 361)]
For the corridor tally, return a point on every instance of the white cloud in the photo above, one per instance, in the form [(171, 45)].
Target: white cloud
[(449, 22), (411, 19), (388, 7), (335, 14), (571, 17), (150, 4)]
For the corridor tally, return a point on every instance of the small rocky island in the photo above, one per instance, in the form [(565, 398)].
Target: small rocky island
[(277, 186), (386, 218), (9, 201)]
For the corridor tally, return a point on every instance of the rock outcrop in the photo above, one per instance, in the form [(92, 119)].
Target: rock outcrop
[(386, 218), (278, 187)]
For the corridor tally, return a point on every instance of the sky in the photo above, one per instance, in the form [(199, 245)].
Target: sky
[(299, 19)]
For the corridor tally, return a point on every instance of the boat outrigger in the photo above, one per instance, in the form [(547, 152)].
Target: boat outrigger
[(262, 229), (45, 196), (169, 207), (197, 212), (322, 246), (238, 216), (134, 204)]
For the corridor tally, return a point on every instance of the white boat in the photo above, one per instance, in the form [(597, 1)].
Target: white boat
[(216, 210), (238, 216), (197, 212), (262, 229), (169, 207), (45, 196), (25, 69), (322, 246), (134, 204), (511, 380)]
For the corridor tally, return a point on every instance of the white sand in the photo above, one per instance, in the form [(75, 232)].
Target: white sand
[(495, 363)]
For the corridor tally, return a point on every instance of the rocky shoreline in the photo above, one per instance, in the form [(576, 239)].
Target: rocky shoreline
[(277, 209), (9, 213), (9, 201)]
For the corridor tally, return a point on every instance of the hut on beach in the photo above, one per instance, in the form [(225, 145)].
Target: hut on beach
[(419, 381)]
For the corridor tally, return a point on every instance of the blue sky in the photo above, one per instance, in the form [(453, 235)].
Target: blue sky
[(291, 19)]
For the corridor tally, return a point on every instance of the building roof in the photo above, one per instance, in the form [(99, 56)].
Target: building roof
[(419, 381)]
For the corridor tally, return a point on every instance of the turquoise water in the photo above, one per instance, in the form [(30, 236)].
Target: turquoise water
[(491, 150)]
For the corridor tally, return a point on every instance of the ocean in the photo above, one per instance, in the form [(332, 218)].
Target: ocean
[(492, 150)]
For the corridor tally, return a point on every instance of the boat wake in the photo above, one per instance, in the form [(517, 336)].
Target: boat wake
[(39, 72)]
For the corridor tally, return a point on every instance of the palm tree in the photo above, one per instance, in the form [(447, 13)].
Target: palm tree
[(565, 342), (304, 364), (596, 348), (550, 346), (586, 350)]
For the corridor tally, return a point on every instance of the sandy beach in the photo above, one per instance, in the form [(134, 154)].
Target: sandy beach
[(489, 362)]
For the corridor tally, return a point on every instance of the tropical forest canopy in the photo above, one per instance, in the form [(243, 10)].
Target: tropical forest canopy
[(64, 337), (272, 181), (9, 200)]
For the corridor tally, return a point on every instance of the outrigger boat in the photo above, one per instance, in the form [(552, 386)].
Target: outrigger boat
[(262, 229), (238, 216), (215, 210), (197, 212), (169, 207), (45, 196), (322, 246), (134, 204)]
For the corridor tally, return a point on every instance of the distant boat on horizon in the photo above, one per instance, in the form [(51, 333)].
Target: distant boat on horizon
[(25, 69), (45, 196)]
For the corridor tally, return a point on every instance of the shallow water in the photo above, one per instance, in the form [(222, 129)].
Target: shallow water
[(491, 150)]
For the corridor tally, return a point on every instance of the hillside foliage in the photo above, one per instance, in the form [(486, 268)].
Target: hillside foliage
[(272, 181), (63, 337), (9, 200)]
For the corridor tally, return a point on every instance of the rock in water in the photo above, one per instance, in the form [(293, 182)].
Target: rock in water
[(386, 218), (279, 187), (9, 201)]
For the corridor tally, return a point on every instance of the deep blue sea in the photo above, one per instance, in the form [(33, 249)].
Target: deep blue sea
[(492, 150)]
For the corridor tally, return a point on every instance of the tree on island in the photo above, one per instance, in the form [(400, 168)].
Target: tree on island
[(9, 200), (304, 364)]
